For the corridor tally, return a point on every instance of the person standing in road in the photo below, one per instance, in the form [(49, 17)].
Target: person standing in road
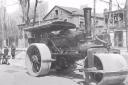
[(1, 55), (5, 56), (13, 49)]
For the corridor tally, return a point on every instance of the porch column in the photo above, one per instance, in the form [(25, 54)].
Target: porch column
[(124, 38), (112, 37)]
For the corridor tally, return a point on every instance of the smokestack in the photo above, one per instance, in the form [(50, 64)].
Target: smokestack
[(87, 18)]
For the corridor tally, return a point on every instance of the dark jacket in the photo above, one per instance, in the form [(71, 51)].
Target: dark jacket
[(6, 51), (13, 49)]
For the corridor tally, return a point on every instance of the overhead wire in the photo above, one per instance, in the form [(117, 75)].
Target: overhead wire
[(119, 7)]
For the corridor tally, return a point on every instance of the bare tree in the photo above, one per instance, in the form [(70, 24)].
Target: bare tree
[(25, 5), (8, 27), (11, 30)]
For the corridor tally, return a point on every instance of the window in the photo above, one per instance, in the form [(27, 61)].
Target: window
[(121, 16), (56, 12), (81, 24), (96, 22), (106, 19)]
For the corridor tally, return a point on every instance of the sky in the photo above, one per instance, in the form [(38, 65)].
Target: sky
[(12, 5), (100, 6)]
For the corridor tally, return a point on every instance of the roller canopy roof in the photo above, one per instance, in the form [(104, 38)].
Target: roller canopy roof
[(54, 26)]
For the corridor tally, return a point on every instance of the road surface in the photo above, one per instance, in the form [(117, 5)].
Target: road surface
[(16, 74)]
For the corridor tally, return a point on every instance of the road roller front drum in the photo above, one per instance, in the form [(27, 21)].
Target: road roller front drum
[(36, 54), (108, 69)]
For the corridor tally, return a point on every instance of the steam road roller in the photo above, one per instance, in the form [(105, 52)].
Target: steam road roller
[(58, 45)]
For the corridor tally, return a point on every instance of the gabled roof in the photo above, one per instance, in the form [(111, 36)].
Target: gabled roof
[(73, 11)]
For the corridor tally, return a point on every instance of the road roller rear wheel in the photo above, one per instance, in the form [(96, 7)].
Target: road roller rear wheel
[(95, 77), (113, 67), (36, 54)]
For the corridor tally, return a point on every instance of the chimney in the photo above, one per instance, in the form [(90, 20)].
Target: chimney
[(87, 18)]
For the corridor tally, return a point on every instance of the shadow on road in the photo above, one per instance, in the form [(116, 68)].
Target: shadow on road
[(73, 76), (119, 84), (70, 75)]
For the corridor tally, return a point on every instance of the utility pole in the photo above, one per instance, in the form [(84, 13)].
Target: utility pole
[(4, 27), (110, 5), (94, 19), (110, 9), (39, 16), (109, 16), (126, 22), (3, 22)]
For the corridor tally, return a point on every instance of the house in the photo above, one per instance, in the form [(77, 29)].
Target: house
[(73, 15), (116, 22)]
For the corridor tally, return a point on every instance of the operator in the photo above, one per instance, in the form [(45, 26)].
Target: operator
[(105, 41)]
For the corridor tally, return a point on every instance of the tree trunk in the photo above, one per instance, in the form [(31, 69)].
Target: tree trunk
[(25, 5), (28, 20), (34, 19)]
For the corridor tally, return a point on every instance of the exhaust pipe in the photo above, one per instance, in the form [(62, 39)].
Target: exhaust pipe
[(87, 18)]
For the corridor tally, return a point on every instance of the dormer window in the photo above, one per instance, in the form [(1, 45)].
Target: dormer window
[(56, 12), (74, 11), (61, 12)]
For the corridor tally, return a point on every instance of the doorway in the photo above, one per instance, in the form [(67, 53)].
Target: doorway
[(118, 38)]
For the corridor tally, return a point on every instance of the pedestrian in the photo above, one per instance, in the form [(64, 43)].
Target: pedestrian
[(13, 49), (5, 56), (1, 54)]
